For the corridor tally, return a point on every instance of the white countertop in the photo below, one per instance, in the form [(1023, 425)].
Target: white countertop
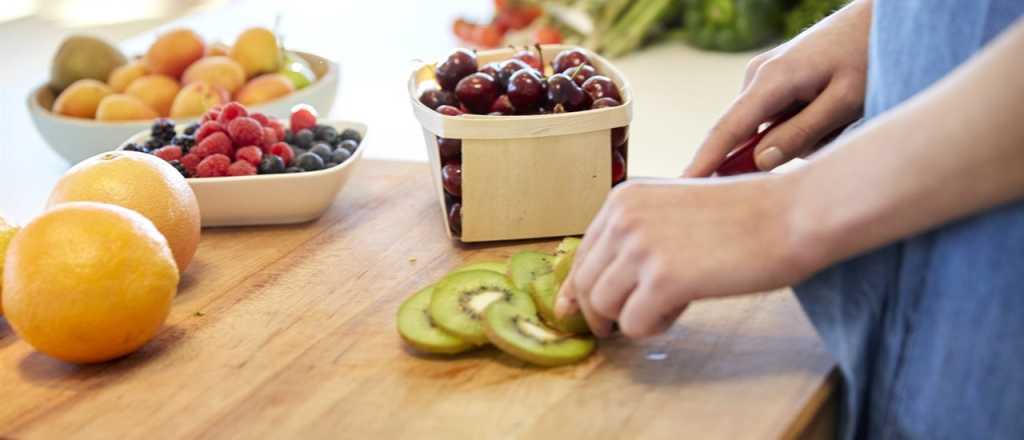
[(678, 91)]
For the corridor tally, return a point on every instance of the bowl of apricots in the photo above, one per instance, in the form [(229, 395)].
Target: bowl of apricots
[(97, 96)]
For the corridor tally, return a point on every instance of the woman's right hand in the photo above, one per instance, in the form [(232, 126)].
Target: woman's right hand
[(823, 70)]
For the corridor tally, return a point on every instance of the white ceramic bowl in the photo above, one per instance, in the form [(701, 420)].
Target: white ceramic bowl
[(271, 199), (76, 139)]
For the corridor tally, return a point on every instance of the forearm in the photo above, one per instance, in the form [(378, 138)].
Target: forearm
[(952, 151)]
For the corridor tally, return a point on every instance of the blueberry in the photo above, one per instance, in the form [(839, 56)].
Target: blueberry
[(271, 164), (178, 166), (192, 128), (351, 134), (162, 129), (134, 147), (289, 137), (322, 150), (304, 138), (309, 162), (293, 170), (349, 145), (153, 144), (185, 142), (331, 164), (326, 133), (340, 155)]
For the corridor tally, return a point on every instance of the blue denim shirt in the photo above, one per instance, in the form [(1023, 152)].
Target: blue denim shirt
[(929, 333)]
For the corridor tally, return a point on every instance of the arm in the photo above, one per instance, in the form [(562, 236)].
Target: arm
[(954, 150)]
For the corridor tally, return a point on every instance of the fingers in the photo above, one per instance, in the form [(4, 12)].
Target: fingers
[(566, 302), (650, 310), (835, 108), (599, 326), (613, 286)]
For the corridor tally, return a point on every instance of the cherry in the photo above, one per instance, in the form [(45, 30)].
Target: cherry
[(451, 177), (605, 102), (618, 168), (569, 59), (507, 69), (529, 58), (527, 90), (449, 148), (600, 87), (582, 73), (455, 218), (619, 136), (460, 64), (491, 68), (564, 93), (477, 92), (449, 110), (503, 105), (435, 98)]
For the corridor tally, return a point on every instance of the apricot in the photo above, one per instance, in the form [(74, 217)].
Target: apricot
[(217, 49), (173, 52), (196, 98), (157, 91), (81, 98), (219, 71), (123, 107), (264, 88), (257, 51), (122, 76)]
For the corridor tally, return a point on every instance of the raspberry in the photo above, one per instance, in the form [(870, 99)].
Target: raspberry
[(279, 129), (269, 137), (251, 154), (190, 162), (245, 131), (212, 114), (284, 151), (231, 111), (303, 117), (241, 168), (168, 153), (217, 143), (215, 165), (261, 118), (207, 129)]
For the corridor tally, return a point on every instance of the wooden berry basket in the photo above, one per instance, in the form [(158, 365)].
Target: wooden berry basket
[(526, 176)]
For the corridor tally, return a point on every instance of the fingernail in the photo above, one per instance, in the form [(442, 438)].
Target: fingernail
[(770, 158)]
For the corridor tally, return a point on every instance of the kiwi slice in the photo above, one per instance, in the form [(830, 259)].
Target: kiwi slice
[(418, 330), (524, 267), (460, 299), (493, 266), (524, 336), (564, 255), (544, 291)]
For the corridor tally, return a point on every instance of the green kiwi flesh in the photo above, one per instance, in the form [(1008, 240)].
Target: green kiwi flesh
[(418, 330), (493, 266), (525, 337), (460, 299), (524, 267), (564, 255), (544, 291)]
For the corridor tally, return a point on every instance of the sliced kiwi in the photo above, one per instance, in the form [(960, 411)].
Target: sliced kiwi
[(544, 291), (524, 267), (459, 301), (418, 329), (493, 266), (524, 336), (564, 255)]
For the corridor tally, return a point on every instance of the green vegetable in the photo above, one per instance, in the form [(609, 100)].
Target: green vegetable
[(809, 12), (733, 25)]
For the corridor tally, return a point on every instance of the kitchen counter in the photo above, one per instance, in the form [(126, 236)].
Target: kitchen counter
[(289, 332)]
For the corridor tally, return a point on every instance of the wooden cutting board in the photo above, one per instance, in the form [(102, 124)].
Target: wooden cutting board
[(289, 332)]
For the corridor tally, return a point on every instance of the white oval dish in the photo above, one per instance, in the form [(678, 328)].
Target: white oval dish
[(76, 139), (271, 199)]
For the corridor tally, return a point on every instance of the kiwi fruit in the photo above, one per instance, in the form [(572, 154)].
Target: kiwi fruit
[(83, 57), (564, 255), (418, 330), (544, 291), (524, 267), (493, 266), (524, 336), (459, 301)]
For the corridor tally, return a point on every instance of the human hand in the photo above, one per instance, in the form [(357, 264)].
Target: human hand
[(823, 71)]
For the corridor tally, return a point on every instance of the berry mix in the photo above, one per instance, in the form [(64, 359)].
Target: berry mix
[(516, 86), (231, 141)]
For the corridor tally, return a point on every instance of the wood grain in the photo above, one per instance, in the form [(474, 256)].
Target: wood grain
[(288, 332)]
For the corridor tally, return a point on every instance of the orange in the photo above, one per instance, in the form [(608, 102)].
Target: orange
[(7, 232), (141, 182), (88, 282)]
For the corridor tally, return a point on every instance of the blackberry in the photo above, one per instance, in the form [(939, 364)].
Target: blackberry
[(185, 142), (325, 133), (153, 144), (178, 166), (350, 134), (192, 128), (134, 147), (304, 138), (162, 129)]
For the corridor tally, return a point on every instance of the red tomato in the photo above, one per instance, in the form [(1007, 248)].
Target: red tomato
[(548, 35), (464, 30), (488, 36)]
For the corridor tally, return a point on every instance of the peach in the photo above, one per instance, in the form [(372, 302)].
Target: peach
[(157, 91), (81, 98), (122, 76), (218, 49), (257, 51), (173, 52), (219, 71), (264, 88), (195, 99), (123, 107)]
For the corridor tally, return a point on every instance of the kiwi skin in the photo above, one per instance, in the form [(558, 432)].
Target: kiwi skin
[(449, 313), (544, 291), (502, 322), (524, 267), (418, 330)]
